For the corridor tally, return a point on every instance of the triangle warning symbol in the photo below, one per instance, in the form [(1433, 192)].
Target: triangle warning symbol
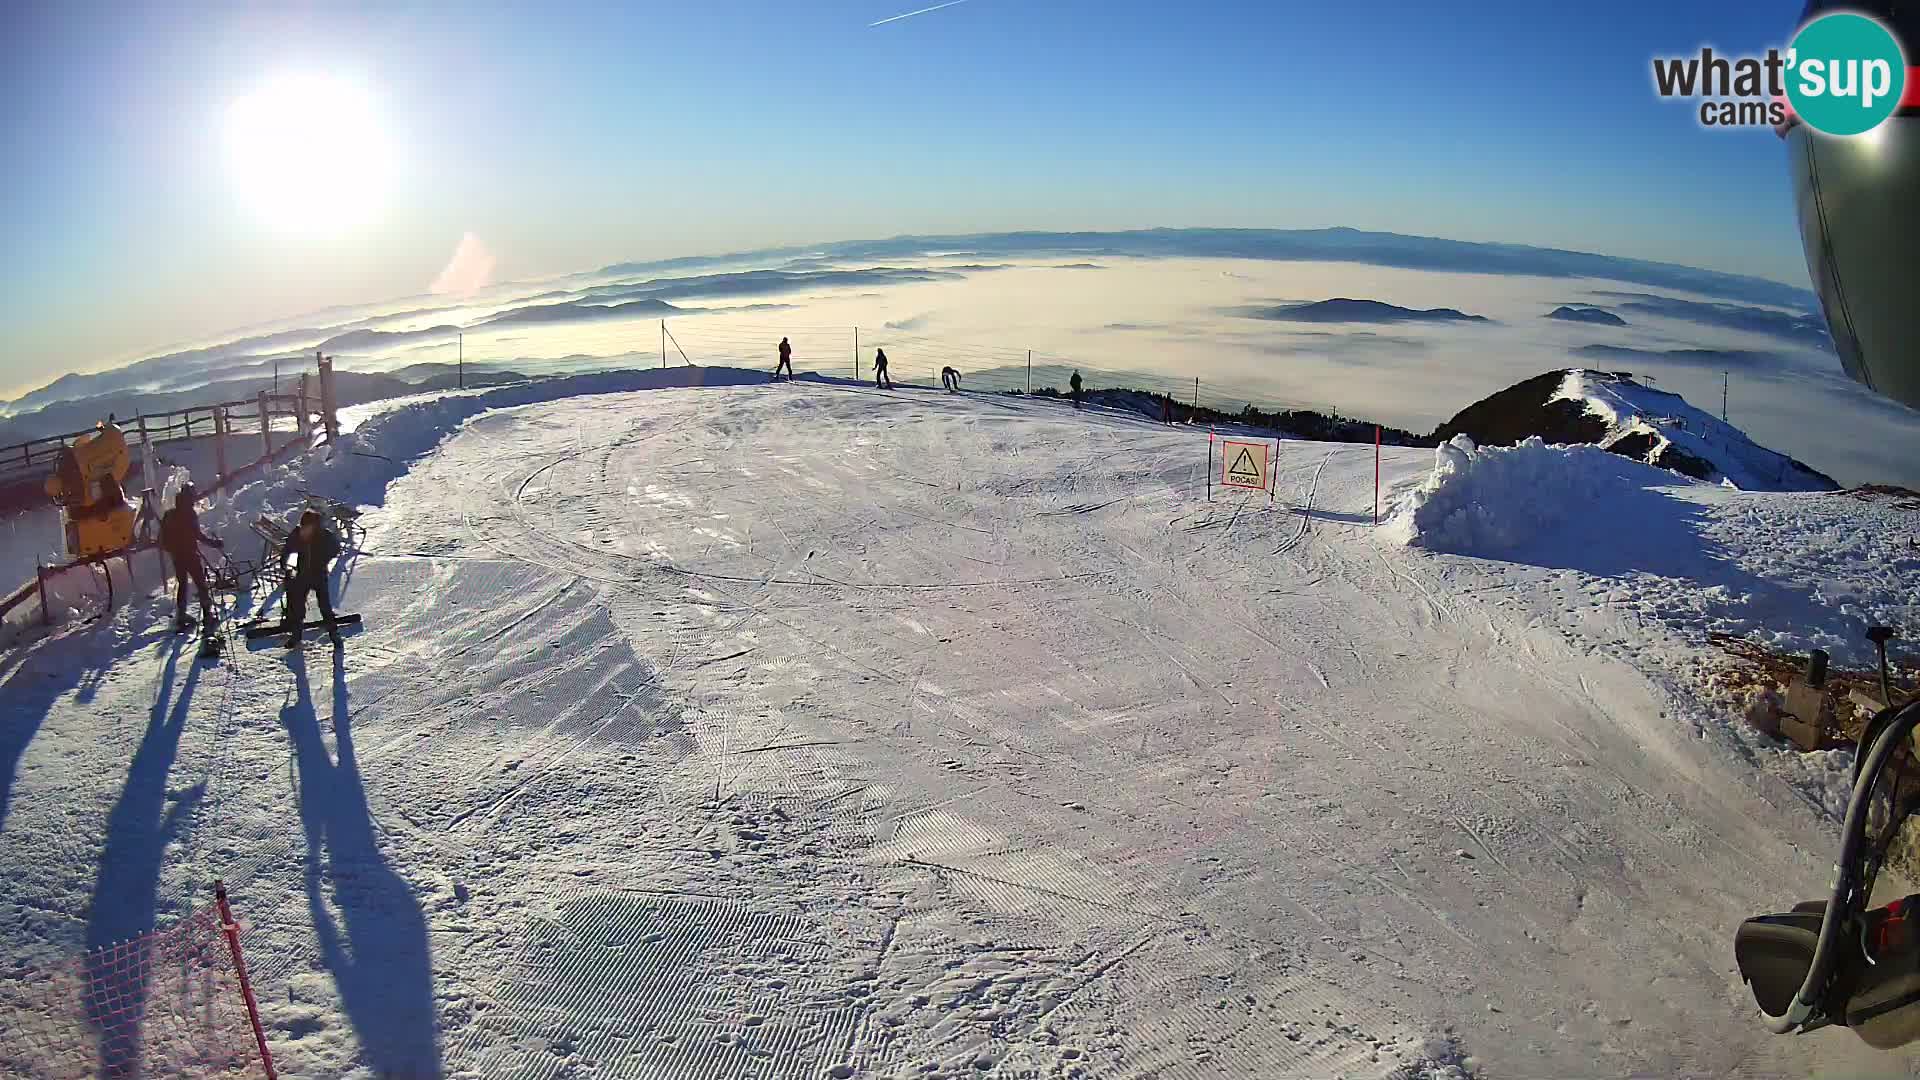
[(1243, 468)]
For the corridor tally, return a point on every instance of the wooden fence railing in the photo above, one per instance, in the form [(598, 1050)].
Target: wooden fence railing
[(301, 410)]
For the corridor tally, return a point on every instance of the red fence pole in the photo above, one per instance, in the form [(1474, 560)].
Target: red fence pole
[(232, 930)]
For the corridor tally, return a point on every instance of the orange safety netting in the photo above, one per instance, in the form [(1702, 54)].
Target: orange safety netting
[(166, 1003)]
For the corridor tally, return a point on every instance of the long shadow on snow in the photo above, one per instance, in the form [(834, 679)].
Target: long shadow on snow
[(45, 671), (125, 891), (1642, 529), (378, 952)]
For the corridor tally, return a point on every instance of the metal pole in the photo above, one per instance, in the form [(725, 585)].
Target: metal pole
[(219, 443), (276, 376), (232, 931), (1196, 393), (1029, 371), (1725, 378), (663, 343)]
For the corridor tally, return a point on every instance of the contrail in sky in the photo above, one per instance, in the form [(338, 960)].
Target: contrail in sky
[(911, 14)]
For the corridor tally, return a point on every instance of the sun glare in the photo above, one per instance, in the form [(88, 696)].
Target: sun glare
[(308, 152)]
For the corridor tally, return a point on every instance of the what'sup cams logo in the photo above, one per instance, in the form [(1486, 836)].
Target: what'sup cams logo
[(1844, 74)]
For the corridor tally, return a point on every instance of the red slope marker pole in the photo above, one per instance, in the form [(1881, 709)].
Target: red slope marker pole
[(1273, 470), (1376, 475), (232, 930)]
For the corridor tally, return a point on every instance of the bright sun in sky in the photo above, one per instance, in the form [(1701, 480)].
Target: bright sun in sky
[(308, 152)]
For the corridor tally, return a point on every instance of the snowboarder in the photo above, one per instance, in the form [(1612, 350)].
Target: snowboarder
[(786, 361), (1075, 384), (315, 547), (180, 538), (950, 379), (880, 377)]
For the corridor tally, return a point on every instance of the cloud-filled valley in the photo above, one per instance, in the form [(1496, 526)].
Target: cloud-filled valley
[(1405, 330)]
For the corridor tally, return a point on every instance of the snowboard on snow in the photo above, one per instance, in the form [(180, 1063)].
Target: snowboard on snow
[(258, 631)]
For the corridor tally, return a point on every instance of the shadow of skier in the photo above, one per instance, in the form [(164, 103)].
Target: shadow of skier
[(125, 891), (378, 950)]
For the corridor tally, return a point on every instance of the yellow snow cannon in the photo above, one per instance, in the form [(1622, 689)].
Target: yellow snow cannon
[(86, 485)]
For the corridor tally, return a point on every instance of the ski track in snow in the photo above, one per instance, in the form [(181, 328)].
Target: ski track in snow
[(799, 731)]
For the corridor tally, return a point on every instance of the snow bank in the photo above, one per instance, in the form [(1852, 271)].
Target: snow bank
[(1793, 571), (1493, 500)]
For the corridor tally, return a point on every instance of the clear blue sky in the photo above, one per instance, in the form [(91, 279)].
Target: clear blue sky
[(568, 136)]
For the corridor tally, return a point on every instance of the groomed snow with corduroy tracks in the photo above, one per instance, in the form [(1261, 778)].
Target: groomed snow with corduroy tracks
[(706, 728)]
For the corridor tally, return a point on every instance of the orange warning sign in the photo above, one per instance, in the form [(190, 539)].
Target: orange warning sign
[(1244, 464)]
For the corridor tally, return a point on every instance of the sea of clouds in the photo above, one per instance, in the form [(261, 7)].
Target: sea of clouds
[(1179, 304)]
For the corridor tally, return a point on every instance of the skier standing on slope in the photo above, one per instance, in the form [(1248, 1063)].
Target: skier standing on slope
[(180, 538), (786, 361), (1075, 384), (315, 547), (880, 377), (950, 379)]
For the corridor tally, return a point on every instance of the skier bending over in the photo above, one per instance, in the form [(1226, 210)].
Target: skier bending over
[(1075, 384), (950, 379), (315, 547), (786, 361), (880, 377), (180, 537)]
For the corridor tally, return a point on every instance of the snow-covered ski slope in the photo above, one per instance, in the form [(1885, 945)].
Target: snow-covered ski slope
[(812, 730)]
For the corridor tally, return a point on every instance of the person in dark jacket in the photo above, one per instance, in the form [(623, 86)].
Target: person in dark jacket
[(314, 546), (180, 538), (786, 361), (1075, 384), (880, 377), (950, 379)]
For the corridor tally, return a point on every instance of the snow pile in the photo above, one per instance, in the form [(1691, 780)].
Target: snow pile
[(1793, 571), (1494, 500), (1662, 429)]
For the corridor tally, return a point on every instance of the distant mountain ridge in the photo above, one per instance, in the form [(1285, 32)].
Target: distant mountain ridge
[(1586, 314), (1343, 309)]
